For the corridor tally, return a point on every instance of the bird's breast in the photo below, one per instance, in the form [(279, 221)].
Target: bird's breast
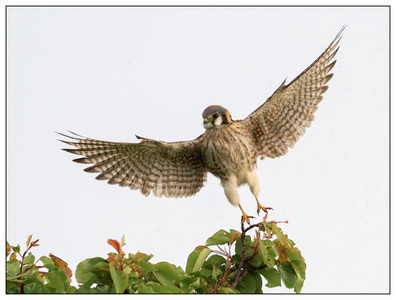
[(228, 150)]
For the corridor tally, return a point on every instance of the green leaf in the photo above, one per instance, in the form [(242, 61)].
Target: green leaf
[(299, 269), (216, 260), (168, 274), (101, 289), (155, 288), (82, 289), (164, 274), (102, 272), (248, 244), (33, 276), (120, 279), (207, 273), (299, 284), (287, 274), (221, 237), (29, 259), (259, 283), (134, 283), (71, 289), (257, 260), (145, 289), (139, 256), (35, 288), (291, 243), (197, 258), (87, 270), (272, 276), (263, 252), (28, 240), (57, 280), (171, 290), (13, 267), (16, 249), (268, 243), (271, 254), (12, 287), (228, 290), (167, 289), (190, 284), (293, 255), (146, 266), (215, 272), (264, 246), (47, 261), (123, 240), (275, 229), (248, 284)]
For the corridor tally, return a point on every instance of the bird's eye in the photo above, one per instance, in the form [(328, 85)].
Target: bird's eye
[(215, 115)]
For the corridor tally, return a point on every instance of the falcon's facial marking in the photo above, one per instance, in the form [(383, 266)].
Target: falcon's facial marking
[(228, 119), (217, 120), (216, 115)]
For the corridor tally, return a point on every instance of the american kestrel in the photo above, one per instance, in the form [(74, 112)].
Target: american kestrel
[(228, 148)]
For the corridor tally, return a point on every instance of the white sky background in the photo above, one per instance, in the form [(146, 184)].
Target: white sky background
[(110, 73)]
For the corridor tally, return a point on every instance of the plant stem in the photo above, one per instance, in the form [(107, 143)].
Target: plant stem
[(239, 276)]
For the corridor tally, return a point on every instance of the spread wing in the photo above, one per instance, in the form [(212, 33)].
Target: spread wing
[(282, 119), (167, 169)]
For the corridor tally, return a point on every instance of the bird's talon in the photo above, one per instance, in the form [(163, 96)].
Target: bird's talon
[(246, 218), (263, 208)]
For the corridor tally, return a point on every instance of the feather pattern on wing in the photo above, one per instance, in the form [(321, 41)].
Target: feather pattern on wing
[(278, 123), (167, 169)]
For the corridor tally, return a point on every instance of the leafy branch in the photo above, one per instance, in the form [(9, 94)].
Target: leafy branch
[(25, 275), (230, 262)]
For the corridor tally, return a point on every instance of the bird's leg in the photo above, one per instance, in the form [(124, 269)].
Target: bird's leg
[(230, 189), (260, 207), (245, 217), (254, 185)]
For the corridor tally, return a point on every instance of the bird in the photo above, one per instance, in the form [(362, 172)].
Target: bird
[(228, 149)]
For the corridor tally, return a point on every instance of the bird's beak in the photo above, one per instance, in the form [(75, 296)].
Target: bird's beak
[(206, 120)]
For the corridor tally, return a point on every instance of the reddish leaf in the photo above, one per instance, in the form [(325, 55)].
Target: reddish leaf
[(112, 258), (62, 265), (116, 245), (234, 237), (34, 244), (68, 272), (9, 248), (282, 253), (58, 261), (258, 237)]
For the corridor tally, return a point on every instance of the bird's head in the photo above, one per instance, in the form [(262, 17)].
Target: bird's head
[(215, 116)]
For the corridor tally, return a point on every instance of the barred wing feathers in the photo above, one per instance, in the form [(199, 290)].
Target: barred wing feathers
[(282, 119), (167, 169)]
